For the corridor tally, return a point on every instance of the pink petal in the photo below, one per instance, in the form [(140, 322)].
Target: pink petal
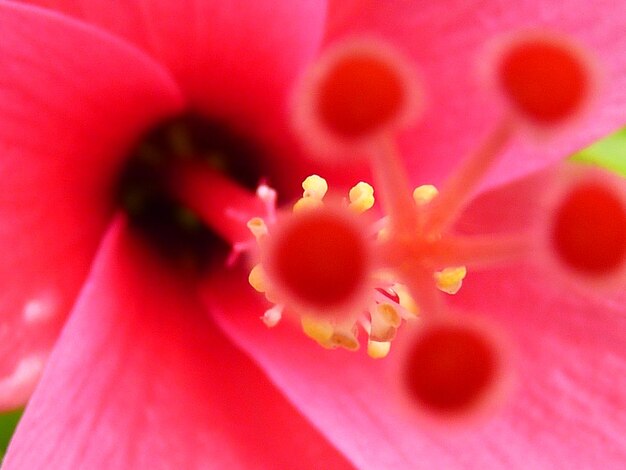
[(71, 100), (141, 378), (570, 409), (446, 40), (235, 59), (524, 200)]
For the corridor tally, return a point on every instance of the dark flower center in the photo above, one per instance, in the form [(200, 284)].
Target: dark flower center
[(145, 194)]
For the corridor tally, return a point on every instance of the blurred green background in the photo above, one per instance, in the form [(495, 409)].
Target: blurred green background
[(609, 153), (8, 422)]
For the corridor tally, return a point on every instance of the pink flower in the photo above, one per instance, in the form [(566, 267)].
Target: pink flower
[(141, 374)]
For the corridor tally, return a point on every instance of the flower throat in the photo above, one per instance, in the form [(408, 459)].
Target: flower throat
[(146, 188)]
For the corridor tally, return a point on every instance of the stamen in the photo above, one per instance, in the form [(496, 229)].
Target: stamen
[(385, 320), (450, 280), (377, 349), (331, 335), (453, 368), (544, 77), (422, 195), (257, 226), (257, 278), (315, 188), (361, 197), (318, 330), (356, 92)]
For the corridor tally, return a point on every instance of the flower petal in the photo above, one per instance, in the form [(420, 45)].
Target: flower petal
[(524, 200), (71, 101), (569, 409), (446, 40), (234, 59), (141, 378)]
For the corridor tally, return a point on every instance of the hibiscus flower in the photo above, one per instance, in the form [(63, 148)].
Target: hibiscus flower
[(142, 375)]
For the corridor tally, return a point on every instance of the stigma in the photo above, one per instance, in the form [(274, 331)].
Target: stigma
[(583, 234), (455, 370), (345, 268)]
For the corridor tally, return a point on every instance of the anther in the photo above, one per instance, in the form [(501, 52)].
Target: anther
[(361, 197), (330, 334), (377, 349), (257, 226), (450, 280), (256, 278), (422, 195), (385, 320), (315, 188)]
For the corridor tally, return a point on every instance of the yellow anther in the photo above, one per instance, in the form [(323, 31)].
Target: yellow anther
[(378, 349), (389, 314), (318, 330), (385, 322), (307, 203), (361, 197), (449, 280), (257, 226), (422, 195), (256, 278), (346, 339), (314, 187)]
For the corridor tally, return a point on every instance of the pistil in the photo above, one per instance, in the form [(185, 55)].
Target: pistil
[(221, 203), (457, 190)]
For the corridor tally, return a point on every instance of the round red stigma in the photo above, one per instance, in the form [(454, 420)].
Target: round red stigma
[(319, 259), (451, 369), (358, 91), (589, 231), (546, 80), (360, 94)]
